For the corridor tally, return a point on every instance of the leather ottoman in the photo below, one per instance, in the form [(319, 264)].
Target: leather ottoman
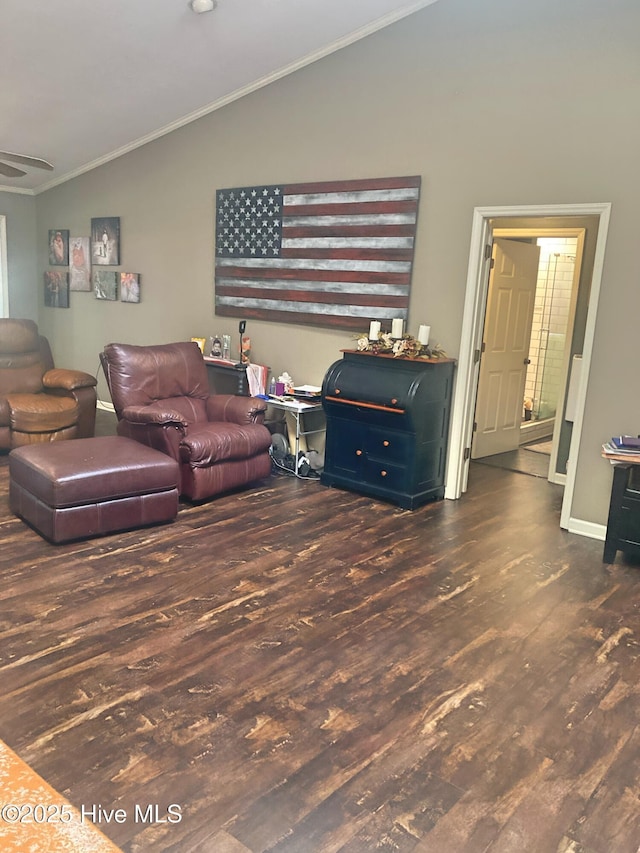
[(90, 486)]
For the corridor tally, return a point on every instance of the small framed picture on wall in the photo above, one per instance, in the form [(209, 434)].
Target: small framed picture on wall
[(56, 289), (105, 240), (129, 287), (79, 263), (105, 285), (59, 247)]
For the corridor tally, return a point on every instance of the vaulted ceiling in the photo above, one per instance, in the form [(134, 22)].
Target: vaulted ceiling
[(83, 82)]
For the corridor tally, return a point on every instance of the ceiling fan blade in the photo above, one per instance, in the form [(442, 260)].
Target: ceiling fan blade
[(11, 171), (36, 162)]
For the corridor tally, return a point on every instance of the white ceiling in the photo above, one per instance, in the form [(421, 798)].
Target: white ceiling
[(85, 81)]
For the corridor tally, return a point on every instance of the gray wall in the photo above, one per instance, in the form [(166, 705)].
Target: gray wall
[(493, 103)]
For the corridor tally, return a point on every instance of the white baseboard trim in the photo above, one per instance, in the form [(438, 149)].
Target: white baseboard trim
[(105, 407), (558, 479), (587, 528)]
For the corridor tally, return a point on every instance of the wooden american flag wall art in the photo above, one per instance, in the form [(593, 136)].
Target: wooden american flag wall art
[(325, 254)]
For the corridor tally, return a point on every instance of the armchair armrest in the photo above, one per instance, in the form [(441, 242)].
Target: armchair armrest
[(235, 409), (68, 380), (155, 414)]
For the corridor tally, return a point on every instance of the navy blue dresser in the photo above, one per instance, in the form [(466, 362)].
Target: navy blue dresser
[(388, 426)]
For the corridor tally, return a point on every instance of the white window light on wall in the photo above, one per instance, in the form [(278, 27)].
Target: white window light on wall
[(4, 278)]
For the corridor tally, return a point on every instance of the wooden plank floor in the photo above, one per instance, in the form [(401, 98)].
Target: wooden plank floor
[(305, 669)]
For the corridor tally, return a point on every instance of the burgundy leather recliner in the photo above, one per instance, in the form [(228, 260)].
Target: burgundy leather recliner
[(162, 398), (39, 402)]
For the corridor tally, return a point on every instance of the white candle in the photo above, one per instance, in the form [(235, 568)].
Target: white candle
[(423, 335), (396, 327), (374, 330)]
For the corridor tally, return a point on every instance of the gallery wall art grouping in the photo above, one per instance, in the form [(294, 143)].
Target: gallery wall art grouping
[(83, 258)]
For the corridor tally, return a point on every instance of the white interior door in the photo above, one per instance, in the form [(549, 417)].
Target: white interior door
[(507, 333)]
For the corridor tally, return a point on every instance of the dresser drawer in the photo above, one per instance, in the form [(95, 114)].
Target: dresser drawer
[(388, 445), (629, 521), (385, 476)]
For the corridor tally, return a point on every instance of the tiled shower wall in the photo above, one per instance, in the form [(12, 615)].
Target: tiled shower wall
[(550, 321)]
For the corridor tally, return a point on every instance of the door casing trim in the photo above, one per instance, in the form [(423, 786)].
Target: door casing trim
[(471, 338)]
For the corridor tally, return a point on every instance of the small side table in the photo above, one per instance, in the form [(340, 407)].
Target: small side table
[(623, 525), (298, 409)]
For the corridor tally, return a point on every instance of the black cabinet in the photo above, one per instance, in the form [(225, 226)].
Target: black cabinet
[(623, 526), (227, 378), (387, 426)]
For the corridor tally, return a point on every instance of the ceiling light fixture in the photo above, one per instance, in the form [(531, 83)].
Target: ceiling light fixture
[(201, 6)]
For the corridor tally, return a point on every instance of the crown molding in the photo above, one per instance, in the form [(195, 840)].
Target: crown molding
[(17, 190)]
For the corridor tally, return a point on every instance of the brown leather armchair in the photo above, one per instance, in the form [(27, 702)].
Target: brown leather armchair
[(39, 402), (162, 398)]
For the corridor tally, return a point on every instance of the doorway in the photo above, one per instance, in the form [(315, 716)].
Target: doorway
[(536, 274), (485, 219)]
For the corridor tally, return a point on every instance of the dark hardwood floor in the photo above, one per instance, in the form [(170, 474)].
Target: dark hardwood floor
[(305, 669)]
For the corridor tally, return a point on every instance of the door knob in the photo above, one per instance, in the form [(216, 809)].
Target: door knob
[(527, 361)]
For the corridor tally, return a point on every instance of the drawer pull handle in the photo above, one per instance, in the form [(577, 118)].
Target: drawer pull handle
[(385, 443), (383, 473), (337, 391), (358, 453), (394, 401)]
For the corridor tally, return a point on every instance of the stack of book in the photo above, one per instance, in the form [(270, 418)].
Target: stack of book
[(311, 393), (626, 445)]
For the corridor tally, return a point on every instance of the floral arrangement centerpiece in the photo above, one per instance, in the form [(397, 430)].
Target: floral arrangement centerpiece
[(405, 347)]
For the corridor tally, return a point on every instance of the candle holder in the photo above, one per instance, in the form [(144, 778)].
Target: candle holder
[(405, 347)]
